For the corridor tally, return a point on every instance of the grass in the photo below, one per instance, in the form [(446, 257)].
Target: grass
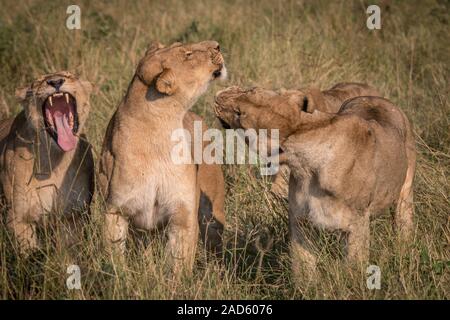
[(273, 44)]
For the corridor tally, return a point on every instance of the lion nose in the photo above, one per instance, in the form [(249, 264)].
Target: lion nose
[(56, 83)]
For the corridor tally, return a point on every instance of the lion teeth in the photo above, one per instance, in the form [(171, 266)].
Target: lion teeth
[(58, 94), (67, 97), (71, 122), (50, 101)]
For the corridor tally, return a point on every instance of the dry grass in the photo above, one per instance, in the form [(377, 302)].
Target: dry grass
[(273, 44)]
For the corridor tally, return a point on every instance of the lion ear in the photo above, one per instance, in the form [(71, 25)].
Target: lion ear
[(312, 100), (149, 67), (153, 47), (22, 93), (175, 44), (166, 82)]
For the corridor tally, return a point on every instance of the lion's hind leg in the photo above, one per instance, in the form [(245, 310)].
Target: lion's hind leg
[(405, 206)]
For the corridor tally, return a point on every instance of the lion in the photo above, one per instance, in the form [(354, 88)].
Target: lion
[(46, 163), (346, 167), (140, 179), (331, 101), (211, 216)]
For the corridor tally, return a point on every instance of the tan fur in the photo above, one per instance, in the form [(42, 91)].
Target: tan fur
[(140, 183), (345, 167), (331, 101), (211, 214), (37, 177)]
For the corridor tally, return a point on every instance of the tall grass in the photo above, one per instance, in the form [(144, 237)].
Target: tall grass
[(267, 43)]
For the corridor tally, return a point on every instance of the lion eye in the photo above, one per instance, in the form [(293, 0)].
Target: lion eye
[(188, 54)]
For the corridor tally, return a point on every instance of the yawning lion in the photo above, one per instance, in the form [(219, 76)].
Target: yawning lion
[(46, 165)]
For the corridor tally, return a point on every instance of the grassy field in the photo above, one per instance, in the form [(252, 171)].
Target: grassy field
[(266, 43)]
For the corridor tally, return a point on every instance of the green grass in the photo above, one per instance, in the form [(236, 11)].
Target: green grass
[(266, 43)]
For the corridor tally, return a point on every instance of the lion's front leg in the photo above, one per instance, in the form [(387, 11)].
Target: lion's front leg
[(24, 212), (280, 185), (358, 239), (116, 232), (302, 250), (183, 237), (24, 233)]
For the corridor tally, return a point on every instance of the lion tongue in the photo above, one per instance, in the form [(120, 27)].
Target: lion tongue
[(66, 139)]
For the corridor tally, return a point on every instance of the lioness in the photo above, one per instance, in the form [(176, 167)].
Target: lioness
[(211, 214), (139, 178), (45, 163), (345, 167), (328, 101)]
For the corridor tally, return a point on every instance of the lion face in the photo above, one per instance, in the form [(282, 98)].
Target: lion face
[(182, 71), (259, 108), (59, 104)]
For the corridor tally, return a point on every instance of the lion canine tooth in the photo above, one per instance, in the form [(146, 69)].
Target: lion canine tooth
[(67, 97), (50, 101)]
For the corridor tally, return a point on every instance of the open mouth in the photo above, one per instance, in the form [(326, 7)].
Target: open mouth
[(224, 124), (61, 119)]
